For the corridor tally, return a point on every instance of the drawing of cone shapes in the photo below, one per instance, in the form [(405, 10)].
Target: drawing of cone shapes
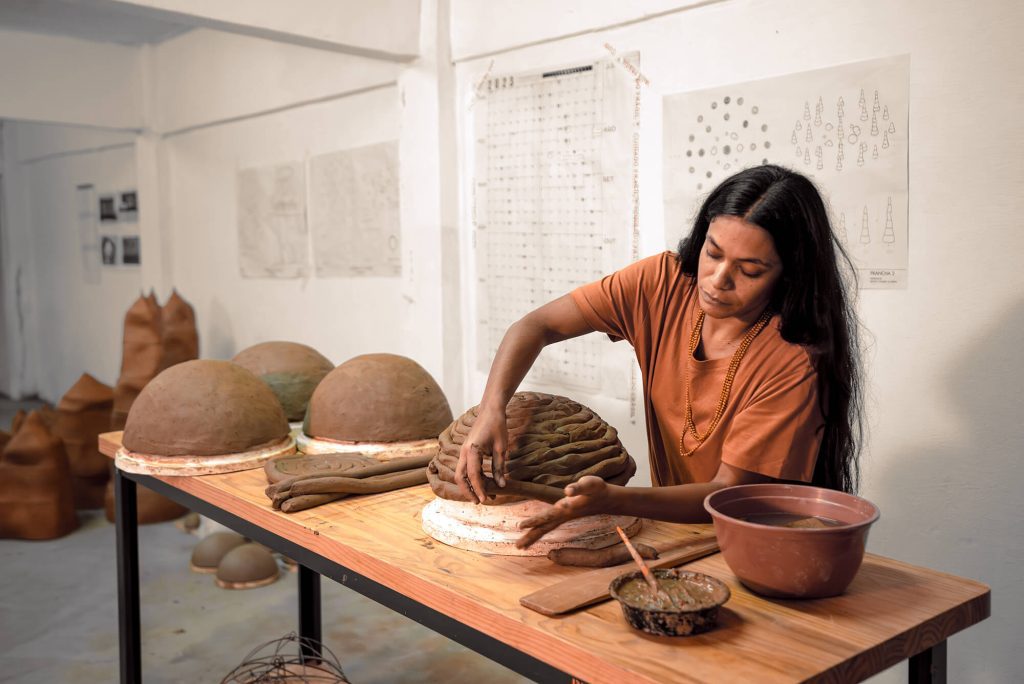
[(793, 139), (839, 162), (861, 99), (875, 107), (817, 112), (810, 135), (817, 152), (889, 236), (885, 113), (807, 110), (807, 156), (865, 233), (874, 124), (863, 113), (842, 227), (892, 127), (874, 153), (799, 126), (840, 131), (885, 140), (839, 107), (860, 154), (799, 152)]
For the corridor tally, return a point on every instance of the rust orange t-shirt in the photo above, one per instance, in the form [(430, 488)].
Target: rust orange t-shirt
[(772, 422)]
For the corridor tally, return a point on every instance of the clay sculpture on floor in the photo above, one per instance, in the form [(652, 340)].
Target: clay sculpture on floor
[(292, 371), (383, 405), (82, 414), (202, 417), (207, 554), (246, 567), (36, 497), (553, 441)]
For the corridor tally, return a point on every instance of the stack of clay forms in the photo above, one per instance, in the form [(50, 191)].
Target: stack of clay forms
[(203, 417), (155, 338), (382, 405), (36, 500), (554, 441), (82, 414)]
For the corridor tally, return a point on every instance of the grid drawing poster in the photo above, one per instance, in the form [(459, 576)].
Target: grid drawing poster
[(272, 238), (552, 201), (846, 127)]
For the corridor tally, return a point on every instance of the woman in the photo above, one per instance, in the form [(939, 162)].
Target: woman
[(746, 341)]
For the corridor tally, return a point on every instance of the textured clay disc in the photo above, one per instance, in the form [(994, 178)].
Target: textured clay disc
[(302, 465)]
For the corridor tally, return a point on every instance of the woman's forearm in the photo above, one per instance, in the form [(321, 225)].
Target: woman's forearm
[(518, 350), (678, 504)]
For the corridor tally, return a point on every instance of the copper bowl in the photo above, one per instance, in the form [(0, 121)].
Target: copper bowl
[(791, 562), (696, 613)]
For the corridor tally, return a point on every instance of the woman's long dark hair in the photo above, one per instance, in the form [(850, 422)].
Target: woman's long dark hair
[(811, 298)]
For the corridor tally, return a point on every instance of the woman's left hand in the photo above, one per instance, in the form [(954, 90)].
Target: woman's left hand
[(587, 496)]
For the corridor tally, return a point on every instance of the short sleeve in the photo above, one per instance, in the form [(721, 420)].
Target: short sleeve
[(619, 303), (778, 433)]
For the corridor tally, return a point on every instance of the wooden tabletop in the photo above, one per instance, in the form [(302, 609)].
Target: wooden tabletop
[(891, 611)]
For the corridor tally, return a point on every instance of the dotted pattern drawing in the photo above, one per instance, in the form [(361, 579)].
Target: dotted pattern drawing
[(543, 208), (728, 134)]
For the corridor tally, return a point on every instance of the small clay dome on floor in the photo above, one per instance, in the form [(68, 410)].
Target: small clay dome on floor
[(82, 414), (209, 552), (204, 408), (292, 371), (377, 398), (247, 566), (36, 499)]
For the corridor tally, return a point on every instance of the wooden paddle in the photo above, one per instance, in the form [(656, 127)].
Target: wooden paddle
[(588, 588)]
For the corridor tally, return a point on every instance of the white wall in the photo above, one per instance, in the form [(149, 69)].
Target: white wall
[(63, 80), (943, 381), (63, 324)]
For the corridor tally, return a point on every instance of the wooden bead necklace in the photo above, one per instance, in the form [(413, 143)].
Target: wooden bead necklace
[(730, 375)]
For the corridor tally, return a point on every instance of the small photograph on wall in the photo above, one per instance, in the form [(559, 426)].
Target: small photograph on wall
[(108, 208), (130, 250), (127, 206), (108, 250)]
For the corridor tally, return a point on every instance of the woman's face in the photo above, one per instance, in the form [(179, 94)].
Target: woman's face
[(738, 269)]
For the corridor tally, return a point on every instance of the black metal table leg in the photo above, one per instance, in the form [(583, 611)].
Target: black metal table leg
[(929, 666), (309, 611), (129, 626)]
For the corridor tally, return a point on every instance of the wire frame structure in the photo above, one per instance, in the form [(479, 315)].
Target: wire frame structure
[(285, 661)]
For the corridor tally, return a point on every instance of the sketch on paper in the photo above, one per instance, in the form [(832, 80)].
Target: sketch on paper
[(272, 238), (552, 202), (846, 127), (354, 212)]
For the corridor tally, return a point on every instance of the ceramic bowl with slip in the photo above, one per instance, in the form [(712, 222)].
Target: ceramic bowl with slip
[(686, 603), (791, 541)]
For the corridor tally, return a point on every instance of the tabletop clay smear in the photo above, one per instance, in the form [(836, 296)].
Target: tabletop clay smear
[(292, 371), (377, 398), (553, 441), (36, 499), (82, 414), (204, 408)]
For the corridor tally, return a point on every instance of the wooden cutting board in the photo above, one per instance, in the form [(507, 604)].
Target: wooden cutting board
[(591, 587)]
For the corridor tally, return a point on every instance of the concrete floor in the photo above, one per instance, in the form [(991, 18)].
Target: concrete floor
[(58, 617)]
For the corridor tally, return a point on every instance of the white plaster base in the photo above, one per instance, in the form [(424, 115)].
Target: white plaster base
[(382, 451), (149, 464), (495, 529)]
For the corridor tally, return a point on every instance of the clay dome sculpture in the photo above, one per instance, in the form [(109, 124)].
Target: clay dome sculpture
[(82, 414), (203, 417), (209, 552), (36, 497), (292, 371), (383, 405), (246, 567), (553, 441)]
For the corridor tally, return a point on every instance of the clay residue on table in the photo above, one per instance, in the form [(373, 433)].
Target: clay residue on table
[(204, 408), (553, 441), (377, 398)]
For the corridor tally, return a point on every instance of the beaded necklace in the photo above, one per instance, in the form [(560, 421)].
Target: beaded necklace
[(730, 375)]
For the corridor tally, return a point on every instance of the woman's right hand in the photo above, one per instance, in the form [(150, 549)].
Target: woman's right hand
[(487, 438)]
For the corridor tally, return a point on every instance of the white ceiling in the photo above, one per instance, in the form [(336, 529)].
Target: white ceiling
[(80, 19)]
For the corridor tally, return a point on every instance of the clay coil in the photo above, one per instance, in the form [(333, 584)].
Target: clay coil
[(600, 558)]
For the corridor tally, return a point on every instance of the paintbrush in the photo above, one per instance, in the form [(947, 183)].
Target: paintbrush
[(651, 582)]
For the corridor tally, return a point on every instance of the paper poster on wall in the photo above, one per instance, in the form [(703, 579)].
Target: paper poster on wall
[(846, 127), (109, 250), (272, 238), (128, 206), (552, 203), (131, 250), (354, 212), (88, 235)]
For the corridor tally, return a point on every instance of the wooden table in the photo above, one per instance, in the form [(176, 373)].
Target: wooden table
[(375, 545)]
